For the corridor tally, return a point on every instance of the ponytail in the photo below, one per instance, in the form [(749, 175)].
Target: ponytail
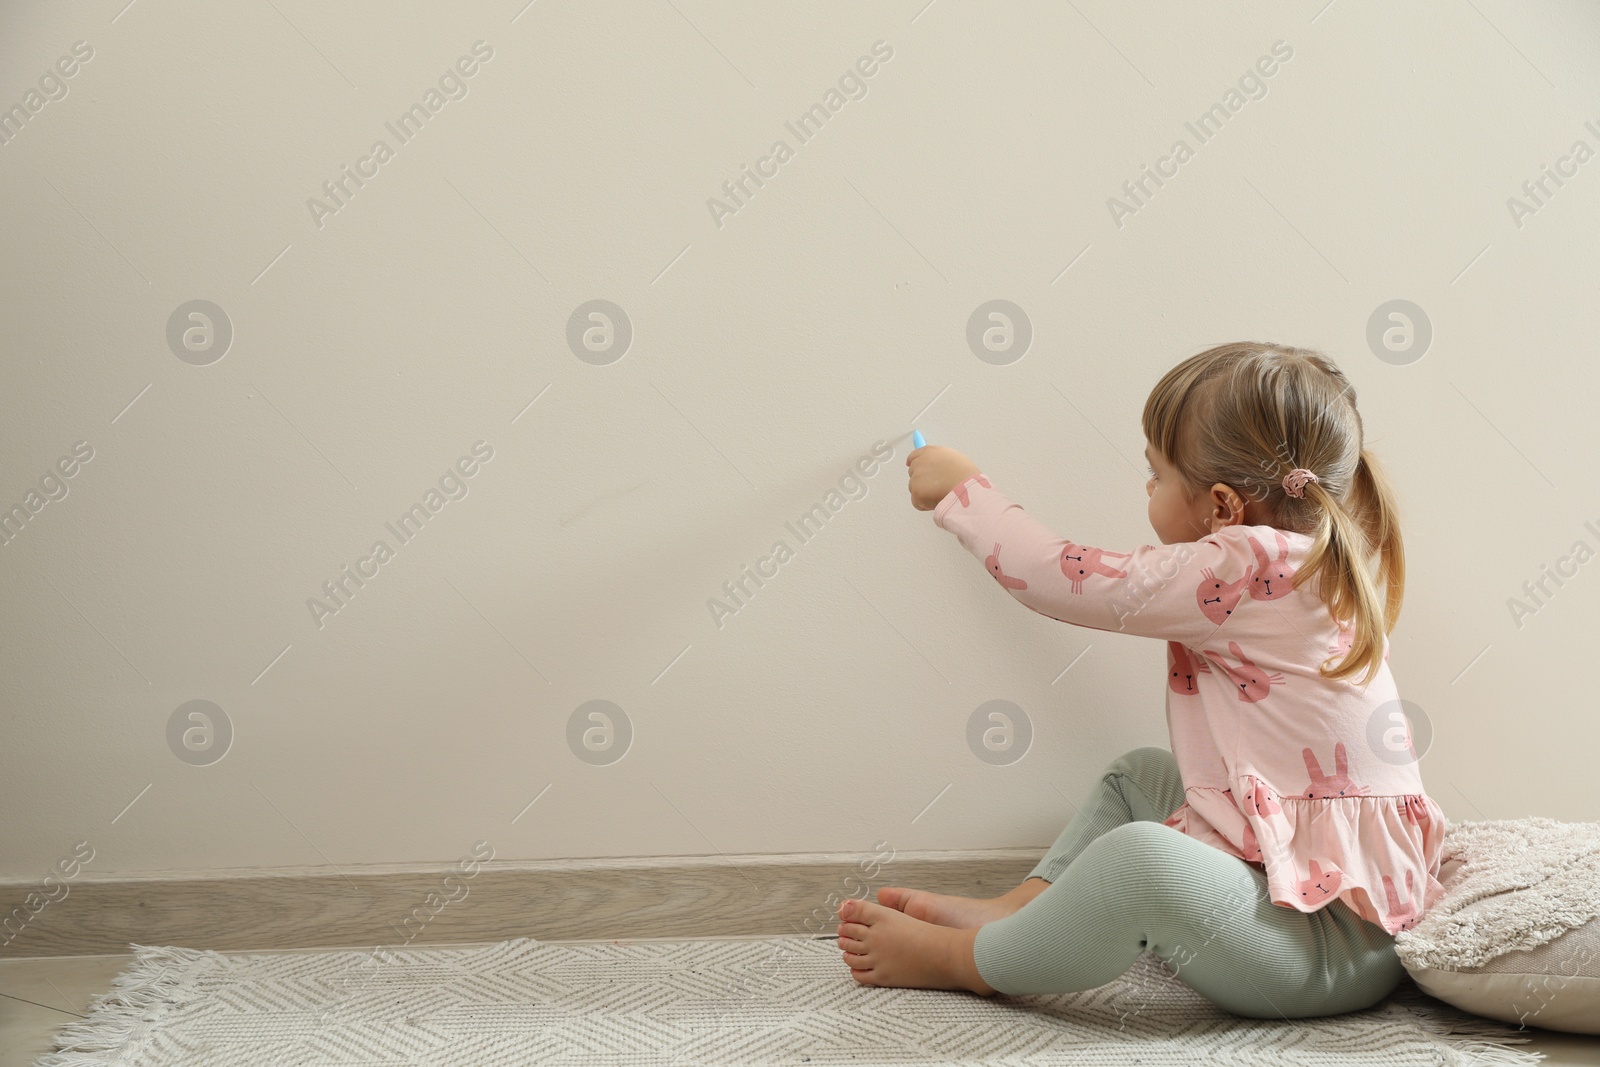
[(1347, 535)]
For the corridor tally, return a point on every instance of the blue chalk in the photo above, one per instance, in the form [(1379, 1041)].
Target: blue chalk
[(916, 439)]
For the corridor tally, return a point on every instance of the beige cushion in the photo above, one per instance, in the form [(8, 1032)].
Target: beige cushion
[(1554, 985)]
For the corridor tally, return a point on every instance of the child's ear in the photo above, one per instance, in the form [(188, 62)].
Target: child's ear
[(1226, 506)]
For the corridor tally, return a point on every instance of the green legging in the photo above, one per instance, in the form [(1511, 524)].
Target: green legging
[(1121, 882)]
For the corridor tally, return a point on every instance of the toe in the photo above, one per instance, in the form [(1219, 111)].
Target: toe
[(862, 973), (894, 896), (866, 912)]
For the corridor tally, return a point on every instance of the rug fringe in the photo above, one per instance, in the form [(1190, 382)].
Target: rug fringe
[(1470, 1040), (151, 985)]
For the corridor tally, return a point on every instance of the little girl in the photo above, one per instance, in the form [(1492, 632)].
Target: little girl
[(1272, 854)]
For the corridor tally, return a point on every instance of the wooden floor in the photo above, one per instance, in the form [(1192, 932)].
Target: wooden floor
[(39, 995)]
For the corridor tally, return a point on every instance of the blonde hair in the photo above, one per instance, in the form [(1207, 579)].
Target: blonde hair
[(1247, 413)]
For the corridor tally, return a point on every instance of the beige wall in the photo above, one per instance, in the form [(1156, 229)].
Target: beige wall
[(772, 345)]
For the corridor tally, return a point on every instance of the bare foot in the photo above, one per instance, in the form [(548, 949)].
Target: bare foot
[(960, 912), (886, 947)]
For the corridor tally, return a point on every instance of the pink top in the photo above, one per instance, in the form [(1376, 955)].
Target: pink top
[(1275, 759)]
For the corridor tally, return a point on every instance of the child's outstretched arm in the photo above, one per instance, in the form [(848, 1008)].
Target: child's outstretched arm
[(1180, 592)]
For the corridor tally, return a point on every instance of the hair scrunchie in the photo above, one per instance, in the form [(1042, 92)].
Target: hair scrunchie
[(1294, 483)]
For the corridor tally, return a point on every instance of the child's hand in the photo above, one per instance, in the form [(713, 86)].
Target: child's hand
[(935, 470)]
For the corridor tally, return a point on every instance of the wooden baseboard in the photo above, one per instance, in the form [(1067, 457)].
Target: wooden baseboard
[(666, 896)]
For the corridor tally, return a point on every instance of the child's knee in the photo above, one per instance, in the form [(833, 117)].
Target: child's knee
[(1153, 770), (1156, 872), (1144, 855), (1143, 838), (1140, 761)]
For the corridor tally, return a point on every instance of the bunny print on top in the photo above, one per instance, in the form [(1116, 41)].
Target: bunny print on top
[(1273, 756)]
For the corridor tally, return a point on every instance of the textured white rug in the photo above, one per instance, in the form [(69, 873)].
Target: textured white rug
[(774, 1001)]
